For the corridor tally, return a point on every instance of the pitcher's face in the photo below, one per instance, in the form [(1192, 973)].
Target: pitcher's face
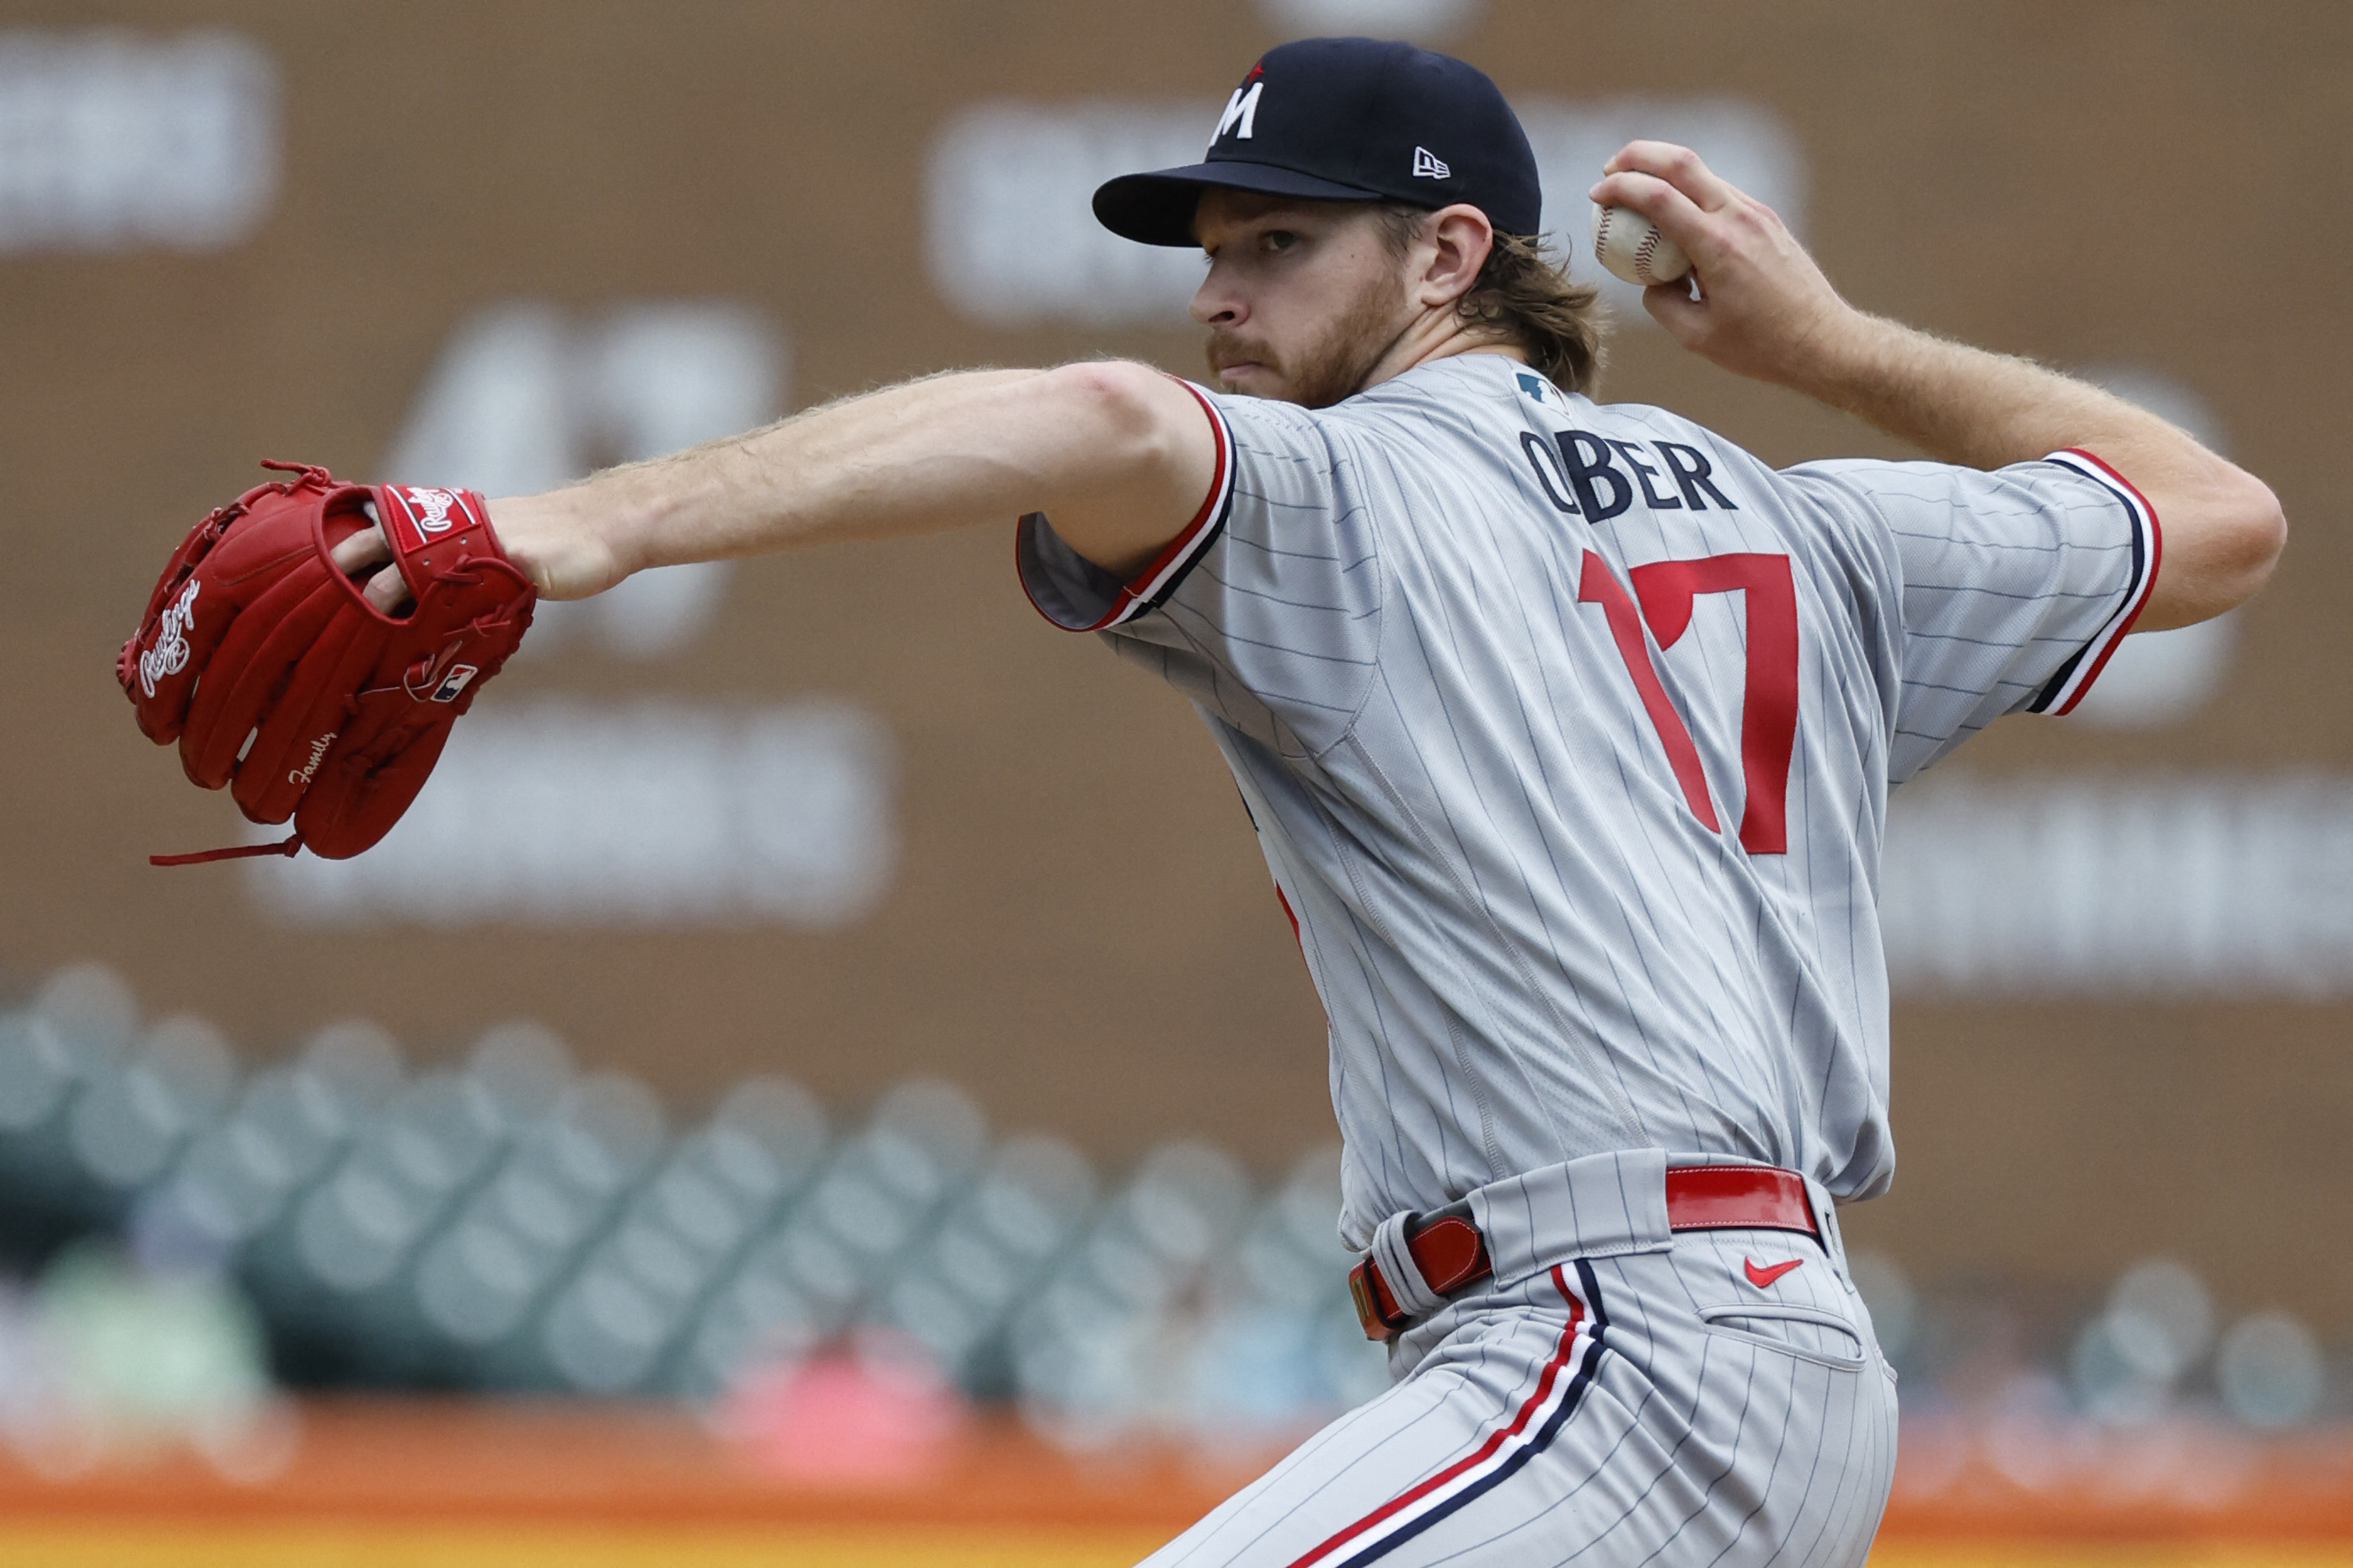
[(1302, 298)]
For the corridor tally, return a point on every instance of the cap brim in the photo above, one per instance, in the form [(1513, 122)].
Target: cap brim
[(1157, 208)]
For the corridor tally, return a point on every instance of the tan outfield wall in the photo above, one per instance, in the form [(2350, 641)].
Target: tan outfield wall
[(1080, 930)]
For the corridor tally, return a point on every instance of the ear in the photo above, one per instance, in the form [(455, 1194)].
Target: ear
[(1456, 243)]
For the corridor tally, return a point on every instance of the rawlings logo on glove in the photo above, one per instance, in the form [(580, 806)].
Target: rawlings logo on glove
[(431, 507), (281, 682), (170, 653)]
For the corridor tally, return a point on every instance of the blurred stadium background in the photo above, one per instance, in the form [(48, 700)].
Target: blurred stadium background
[(820, 1075)]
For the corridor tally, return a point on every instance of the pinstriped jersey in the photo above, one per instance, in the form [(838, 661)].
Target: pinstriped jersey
[(1567, 731)]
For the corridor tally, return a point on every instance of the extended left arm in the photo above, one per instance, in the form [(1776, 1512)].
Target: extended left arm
[(1117, 454)]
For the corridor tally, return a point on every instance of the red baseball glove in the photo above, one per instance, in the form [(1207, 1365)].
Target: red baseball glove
[(280, 680)]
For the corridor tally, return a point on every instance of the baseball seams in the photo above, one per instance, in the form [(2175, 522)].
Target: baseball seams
[(1632, 247), (1645, 253)]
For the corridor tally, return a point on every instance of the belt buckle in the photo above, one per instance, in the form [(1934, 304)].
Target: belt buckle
[(1364, 1289)]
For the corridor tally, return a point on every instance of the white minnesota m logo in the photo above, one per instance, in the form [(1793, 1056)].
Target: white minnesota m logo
[(1243, 110)]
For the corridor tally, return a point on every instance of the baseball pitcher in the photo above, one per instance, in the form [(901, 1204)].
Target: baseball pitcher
[(1568, 729)]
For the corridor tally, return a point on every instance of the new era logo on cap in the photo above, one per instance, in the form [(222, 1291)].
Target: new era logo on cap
[(1429, 165)]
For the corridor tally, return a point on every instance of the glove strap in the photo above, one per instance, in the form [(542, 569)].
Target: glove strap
[(433, 532), (289, 848)]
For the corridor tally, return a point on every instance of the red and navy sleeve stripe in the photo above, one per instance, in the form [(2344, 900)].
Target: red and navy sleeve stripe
[(2075, 677), (1160, 576)]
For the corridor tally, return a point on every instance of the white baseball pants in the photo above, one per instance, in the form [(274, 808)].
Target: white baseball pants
[(1626, 1395)]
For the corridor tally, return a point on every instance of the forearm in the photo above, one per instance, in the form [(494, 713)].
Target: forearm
[(1106, 449), (915, 458), (1766, 311), (1961, 404)]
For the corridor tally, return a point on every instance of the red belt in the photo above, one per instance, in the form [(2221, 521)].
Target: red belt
[(1446, 1246)]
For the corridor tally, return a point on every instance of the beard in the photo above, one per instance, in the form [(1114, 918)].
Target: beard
[(1334, 365)]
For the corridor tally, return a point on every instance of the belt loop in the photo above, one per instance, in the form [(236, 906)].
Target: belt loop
[(1407, 1287), (1825, 1207)]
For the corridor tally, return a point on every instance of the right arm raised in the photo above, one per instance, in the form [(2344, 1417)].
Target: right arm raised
[(1117, 454), (1766, 311)]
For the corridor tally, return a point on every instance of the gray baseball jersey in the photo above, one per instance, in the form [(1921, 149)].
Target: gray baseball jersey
[(1567, 731)]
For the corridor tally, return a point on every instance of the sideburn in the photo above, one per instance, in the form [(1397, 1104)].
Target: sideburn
[(1336, 367)]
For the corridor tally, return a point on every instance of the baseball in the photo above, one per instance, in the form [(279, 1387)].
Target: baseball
[(1632, 246)]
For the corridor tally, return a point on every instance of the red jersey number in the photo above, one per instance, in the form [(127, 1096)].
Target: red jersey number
[(1768, 708)]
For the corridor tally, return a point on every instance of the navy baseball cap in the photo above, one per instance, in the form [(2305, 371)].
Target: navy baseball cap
[(1350, 120)]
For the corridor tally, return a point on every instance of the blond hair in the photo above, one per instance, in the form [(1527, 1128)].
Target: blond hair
[(1524, 296)]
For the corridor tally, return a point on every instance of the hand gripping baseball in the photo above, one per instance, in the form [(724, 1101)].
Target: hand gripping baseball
[(279, 679), (1764, 309)]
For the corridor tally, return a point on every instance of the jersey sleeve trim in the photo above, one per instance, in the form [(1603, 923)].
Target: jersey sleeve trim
[(1108, 602), (2075, 677)]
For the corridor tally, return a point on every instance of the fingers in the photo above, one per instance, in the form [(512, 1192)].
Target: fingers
[(1678, 216), (1680, 308), (367, 548), (1678, 166), (388, 591)]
